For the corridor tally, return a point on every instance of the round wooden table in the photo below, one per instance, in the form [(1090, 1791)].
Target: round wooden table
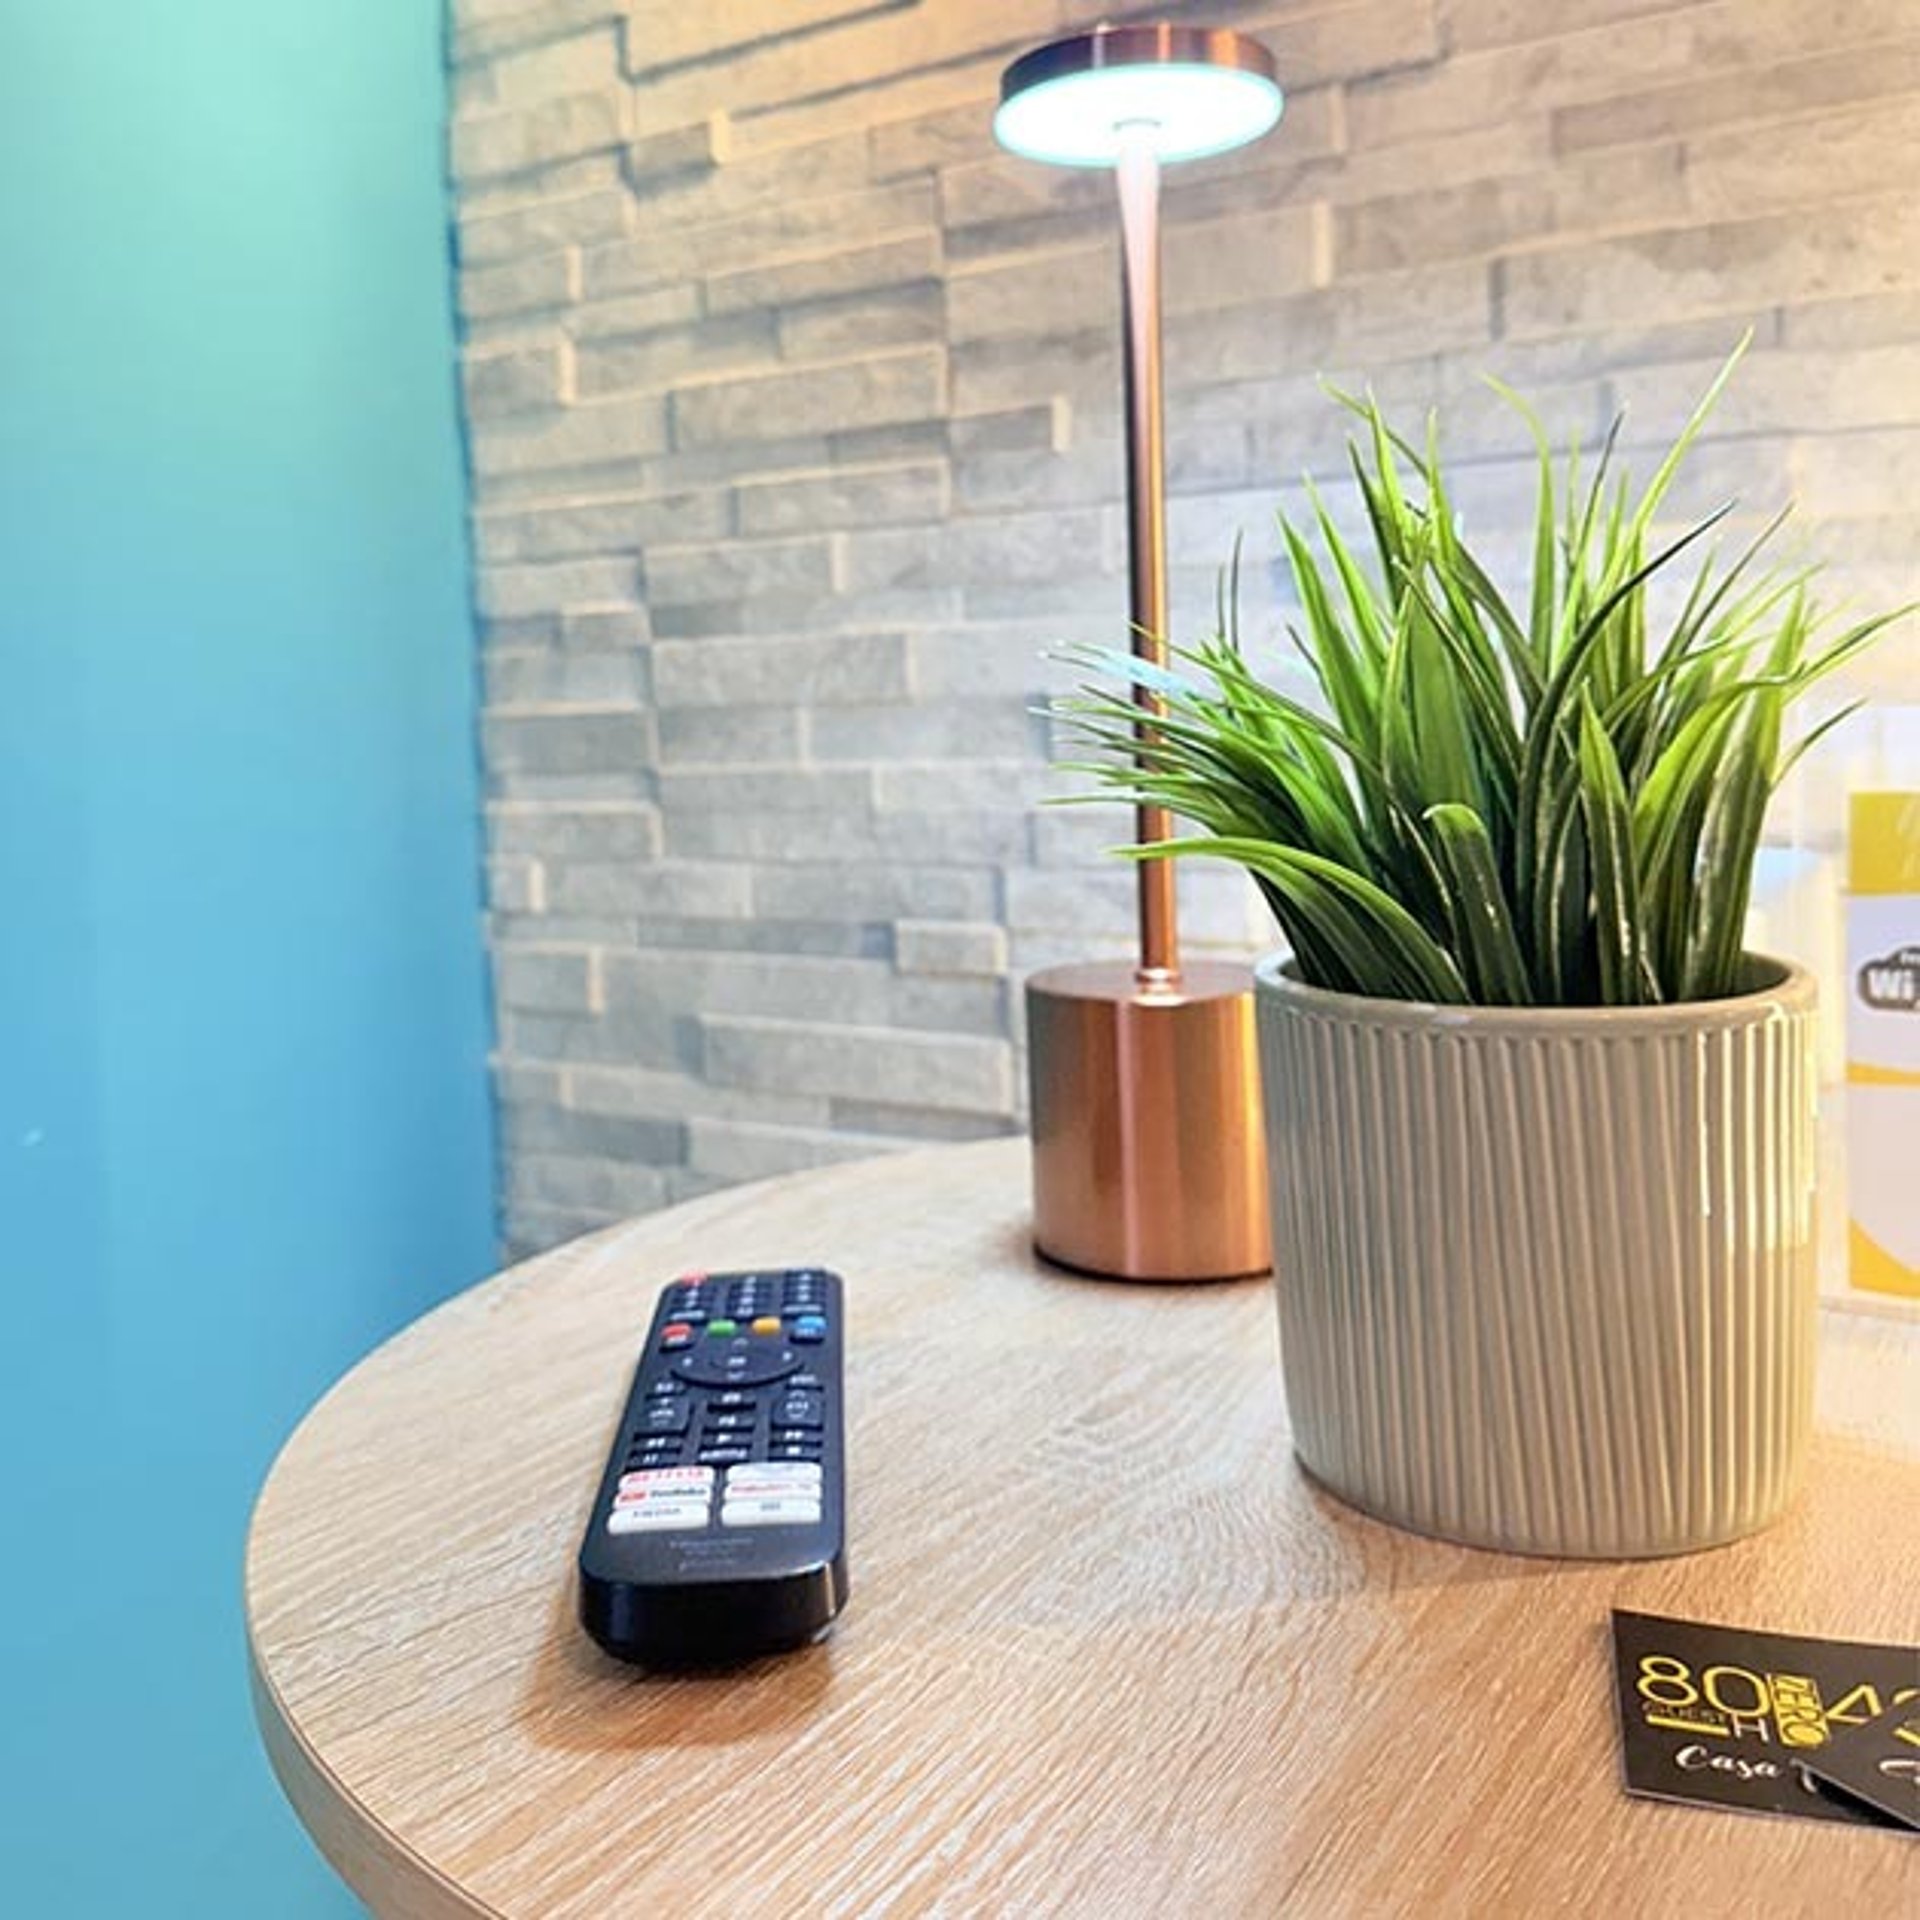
[(1107, 1652)]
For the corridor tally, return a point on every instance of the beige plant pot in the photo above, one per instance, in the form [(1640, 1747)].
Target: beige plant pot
[(1546, 1276)]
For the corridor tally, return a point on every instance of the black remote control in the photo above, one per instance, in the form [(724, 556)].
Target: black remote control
[(718, 1530)]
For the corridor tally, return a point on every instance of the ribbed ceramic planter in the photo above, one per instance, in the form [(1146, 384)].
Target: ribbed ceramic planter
[(1546, 1277)]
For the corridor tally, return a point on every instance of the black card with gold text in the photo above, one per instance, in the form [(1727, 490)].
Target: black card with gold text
[(1731, 1717)]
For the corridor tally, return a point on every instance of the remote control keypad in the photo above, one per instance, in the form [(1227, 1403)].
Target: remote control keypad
[(739, 1402)]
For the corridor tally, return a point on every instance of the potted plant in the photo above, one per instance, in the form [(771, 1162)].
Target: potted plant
[(1540, 1129)]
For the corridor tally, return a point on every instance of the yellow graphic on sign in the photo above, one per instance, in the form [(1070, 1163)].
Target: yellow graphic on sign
[(1797, 1711)]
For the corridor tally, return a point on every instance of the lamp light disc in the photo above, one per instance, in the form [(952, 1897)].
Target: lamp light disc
[(1193, 91)]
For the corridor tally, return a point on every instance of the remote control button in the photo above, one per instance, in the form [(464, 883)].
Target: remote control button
[(765, 1323), (690, 1313), (776, 1511), (792, 1450), (774, 1476), (721, 1456), (693, 1277), (668, 1389), (682, 1480), (653, 1496), (675, 1334), (671, 1416), (720, 1329), (800, 1410), (806, 1383), (809, 1330), (727, 1402), (742, 1422), (659, 1516)]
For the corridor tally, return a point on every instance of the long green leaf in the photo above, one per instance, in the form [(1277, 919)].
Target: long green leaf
[(1483, 927), (1616, 889)]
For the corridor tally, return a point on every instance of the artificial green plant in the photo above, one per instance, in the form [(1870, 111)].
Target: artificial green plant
[(1550, 804)]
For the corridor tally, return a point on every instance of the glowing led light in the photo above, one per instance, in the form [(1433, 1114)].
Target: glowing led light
[(1181, 92), (1189, 109)]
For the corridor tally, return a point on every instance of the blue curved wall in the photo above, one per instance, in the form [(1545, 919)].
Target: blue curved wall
[(243, 1119)]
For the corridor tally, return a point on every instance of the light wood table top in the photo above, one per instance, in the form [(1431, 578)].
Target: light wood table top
[(1108, 1651)]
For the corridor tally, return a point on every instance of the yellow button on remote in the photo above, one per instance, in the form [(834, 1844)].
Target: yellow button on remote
[(767, 1323)]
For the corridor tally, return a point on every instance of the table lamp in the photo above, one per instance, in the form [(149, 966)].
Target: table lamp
[(1148, 1161)]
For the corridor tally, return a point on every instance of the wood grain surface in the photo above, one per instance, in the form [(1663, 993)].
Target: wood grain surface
[(1108, 1651)]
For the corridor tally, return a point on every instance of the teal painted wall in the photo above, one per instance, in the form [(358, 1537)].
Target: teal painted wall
[(243, 1119)]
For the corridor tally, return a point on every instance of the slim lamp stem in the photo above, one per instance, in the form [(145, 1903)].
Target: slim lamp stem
[(1138, 177)]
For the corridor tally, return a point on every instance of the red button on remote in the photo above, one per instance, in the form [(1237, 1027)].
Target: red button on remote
[(676, 1333)]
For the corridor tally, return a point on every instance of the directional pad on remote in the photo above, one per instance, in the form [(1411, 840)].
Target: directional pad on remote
[(755, 1364)]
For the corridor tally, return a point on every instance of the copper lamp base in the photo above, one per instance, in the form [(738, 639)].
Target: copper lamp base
[(1149, 1161)]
